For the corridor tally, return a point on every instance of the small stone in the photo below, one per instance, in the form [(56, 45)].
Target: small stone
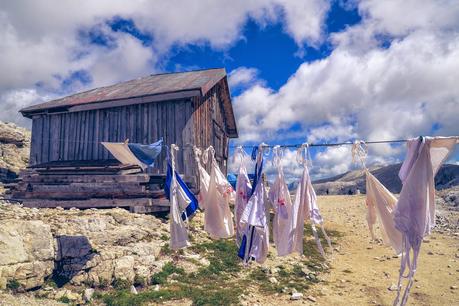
[(273, 280), (311, 298), (393, 287), (430, 253), (453, 287), (296, 296), (133, 290), (156, 288), (87, 295)]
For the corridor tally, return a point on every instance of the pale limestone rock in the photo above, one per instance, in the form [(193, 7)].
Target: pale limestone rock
[(87, 295), (26, 252), (124, 268)]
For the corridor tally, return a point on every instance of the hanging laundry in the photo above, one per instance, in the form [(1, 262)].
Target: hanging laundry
[(243, 191), (204, 178), (415, 212), (133, 153), (305, 206), (182, 203), (380, 203), (254, 219), (218, 220), (283, 222)]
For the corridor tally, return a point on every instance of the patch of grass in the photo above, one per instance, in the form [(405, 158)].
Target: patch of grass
[(120, 284), (169, 268), (13, 285), (164, 237), (165, 250), (64, 300)]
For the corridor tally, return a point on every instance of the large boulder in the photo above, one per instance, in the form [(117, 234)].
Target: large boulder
[(26, 252)]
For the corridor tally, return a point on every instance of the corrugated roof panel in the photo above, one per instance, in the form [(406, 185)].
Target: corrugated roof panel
[(157, 84)]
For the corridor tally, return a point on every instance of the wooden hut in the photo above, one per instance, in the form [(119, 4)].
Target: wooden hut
[(186, 108)]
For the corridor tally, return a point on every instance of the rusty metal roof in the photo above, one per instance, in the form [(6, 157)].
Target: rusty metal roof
[(158, 84)]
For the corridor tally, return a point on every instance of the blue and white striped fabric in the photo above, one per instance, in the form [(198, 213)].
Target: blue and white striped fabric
[(191, 202), (134, 153), (255, 241)]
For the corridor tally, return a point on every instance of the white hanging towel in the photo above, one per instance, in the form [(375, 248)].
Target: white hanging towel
[(218, 220), (243, 189), (415, 212), (380, 203), (254, 219), (179, 201), (305, 207), (283, 222), (121, 152), (204, 179)]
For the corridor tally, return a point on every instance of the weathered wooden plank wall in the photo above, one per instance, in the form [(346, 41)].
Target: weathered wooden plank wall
[(77, 136), (210, 123)]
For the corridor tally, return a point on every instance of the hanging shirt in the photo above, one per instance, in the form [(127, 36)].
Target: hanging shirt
[(204, 179), (305, 208), (279, 197), (415, 212), (254, 219), (381, 205), (218, 220), (179, 198), (243, 190)]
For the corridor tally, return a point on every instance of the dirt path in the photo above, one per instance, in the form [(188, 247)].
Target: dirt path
[(363, 271)]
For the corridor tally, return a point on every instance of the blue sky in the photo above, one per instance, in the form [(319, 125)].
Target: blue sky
[(315, 70)]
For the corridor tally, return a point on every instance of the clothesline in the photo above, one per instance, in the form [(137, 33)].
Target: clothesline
[(267, 146), (333, 144)]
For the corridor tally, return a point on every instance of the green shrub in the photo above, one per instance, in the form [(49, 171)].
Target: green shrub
[(13, 285), (169, 268)]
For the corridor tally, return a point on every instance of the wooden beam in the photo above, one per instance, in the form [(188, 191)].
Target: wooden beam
[(96, 203)]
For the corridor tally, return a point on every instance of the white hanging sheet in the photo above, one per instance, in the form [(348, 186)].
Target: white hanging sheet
[(415, 211), (218, 220)]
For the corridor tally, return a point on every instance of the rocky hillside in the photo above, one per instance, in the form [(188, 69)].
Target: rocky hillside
[(350, 182), (14, 150)]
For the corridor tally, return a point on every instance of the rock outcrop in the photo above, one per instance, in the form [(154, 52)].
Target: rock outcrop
[(91, 248), (14, 150)]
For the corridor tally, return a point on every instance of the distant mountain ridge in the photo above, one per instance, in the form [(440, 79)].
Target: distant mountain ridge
[(353, 181)]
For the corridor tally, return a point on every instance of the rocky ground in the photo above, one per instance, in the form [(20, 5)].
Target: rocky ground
[(52, 256)]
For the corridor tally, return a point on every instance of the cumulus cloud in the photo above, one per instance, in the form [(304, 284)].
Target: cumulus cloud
[(394, 75), (243, 77), (40, 42)]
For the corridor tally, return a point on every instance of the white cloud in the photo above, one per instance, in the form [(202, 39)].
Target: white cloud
[(392, 76), (39, 40), (243, 77)]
